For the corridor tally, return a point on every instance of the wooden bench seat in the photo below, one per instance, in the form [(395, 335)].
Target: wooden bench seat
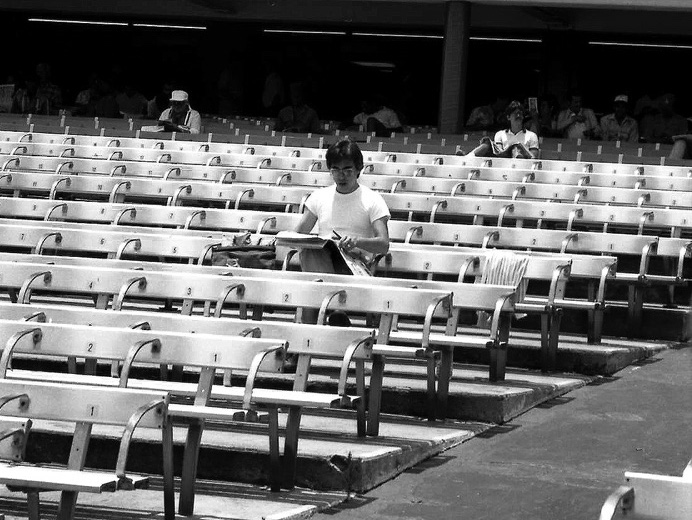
[(205, 352), (84, 406)]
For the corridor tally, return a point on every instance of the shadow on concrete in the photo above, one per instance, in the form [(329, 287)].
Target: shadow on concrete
[(433, 462), (498, 430), (352, 502), (603, 380), (555, 401), (647, 361)]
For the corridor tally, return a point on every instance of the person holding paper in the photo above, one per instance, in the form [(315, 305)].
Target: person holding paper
[(577, 122), (515, 141), (179, 117), (354, 215)]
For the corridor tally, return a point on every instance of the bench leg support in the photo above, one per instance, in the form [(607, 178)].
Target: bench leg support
[(291, 447), (432, 392), (186, 503), (274, 455), (360, 391), (375, 398), (33, 504), (635, 309), (168, 477), (549, 349), (68, 504), (444, 378)]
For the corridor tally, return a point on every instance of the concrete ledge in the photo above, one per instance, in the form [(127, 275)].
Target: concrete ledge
[(330, 455), (213, 501)]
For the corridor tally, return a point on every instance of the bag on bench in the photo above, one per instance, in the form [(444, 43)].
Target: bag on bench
[(246, 252)]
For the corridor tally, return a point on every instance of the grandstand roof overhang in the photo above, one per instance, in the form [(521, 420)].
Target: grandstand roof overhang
[(653, 17)]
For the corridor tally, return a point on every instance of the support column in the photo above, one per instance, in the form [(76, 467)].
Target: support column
[(454, 65)]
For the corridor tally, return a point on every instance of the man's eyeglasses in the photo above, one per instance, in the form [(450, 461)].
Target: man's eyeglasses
[(349, 170)]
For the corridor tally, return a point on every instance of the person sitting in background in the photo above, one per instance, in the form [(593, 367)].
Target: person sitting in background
[(515, 141), (24, 97), (577, 122), (663, 125), (376, 117), (180, 117), (488, 117), (131, 103), (48, 94), (618, 126), (298, 116), (682, 147), (160, 101), (543, 122)]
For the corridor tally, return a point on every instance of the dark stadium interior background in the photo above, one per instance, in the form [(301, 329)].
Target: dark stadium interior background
[(339, 68)]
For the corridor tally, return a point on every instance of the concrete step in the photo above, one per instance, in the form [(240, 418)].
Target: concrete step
[(574, 354), (214, 500), (471, 396), (330, 455)]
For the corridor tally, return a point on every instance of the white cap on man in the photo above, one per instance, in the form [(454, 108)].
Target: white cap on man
[(178, 95), (622, 98)]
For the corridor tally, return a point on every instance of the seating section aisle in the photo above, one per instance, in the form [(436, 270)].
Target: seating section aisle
[(107, 237)]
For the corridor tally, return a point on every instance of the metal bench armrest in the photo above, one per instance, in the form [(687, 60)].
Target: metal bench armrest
[(446, 301), (254, 369), (161, 407), (351, 350), (623, 495)]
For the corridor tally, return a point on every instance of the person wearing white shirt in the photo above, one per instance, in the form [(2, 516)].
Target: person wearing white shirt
[(378, 118), (515, 141), (179, 117)]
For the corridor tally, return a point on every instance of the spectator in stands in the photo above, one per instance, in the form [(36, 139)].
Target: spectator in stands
[(544, 121), (663, 125), (274, 91), (577, 122), (619, 126), (160, 102), (514, 141), (682, 147), (48, 94), (131, 102), (179, 117), (102, 102), (84, 96), (378, 118), (24, 98), (488, 117), (298, 116), (643, 107), (229, 90), (356, 215)]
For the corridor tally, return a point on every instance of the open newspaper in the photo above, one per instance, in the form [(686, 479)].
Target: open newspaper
[(344, 262)]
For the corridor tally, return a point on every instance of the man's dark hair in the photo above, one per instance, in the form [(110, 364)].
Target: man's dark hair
[(344, 149), (514, 105)]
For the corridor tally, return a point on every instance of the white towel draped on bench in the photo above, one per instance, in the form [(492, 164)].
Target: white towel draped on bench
[(505, 268)]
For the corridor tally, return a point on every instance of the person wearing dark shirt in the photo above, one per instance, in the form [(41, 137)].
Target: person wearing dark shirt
[(298, 116)]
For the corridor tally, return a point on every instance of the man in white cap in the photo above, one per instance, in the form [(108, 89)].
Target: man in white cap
[(618, 126), (180, 117)]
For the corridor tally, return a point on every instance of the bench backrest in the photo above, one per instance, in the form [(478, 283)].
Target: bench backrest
[(80, 403), (315, 340)]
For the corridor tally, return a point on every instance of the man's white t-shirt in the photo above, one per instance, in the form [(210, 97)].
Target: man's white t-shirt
[(385, 115), (506, 138), (349, 214)]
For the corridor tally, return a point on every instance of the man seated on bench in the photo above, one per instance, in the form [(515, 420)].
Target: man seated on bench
[(353, 214), (180, 117), (515, 141)]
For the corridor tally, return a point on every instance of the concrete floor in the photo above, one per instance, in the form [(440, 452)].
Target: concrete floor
[(559, 460)]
